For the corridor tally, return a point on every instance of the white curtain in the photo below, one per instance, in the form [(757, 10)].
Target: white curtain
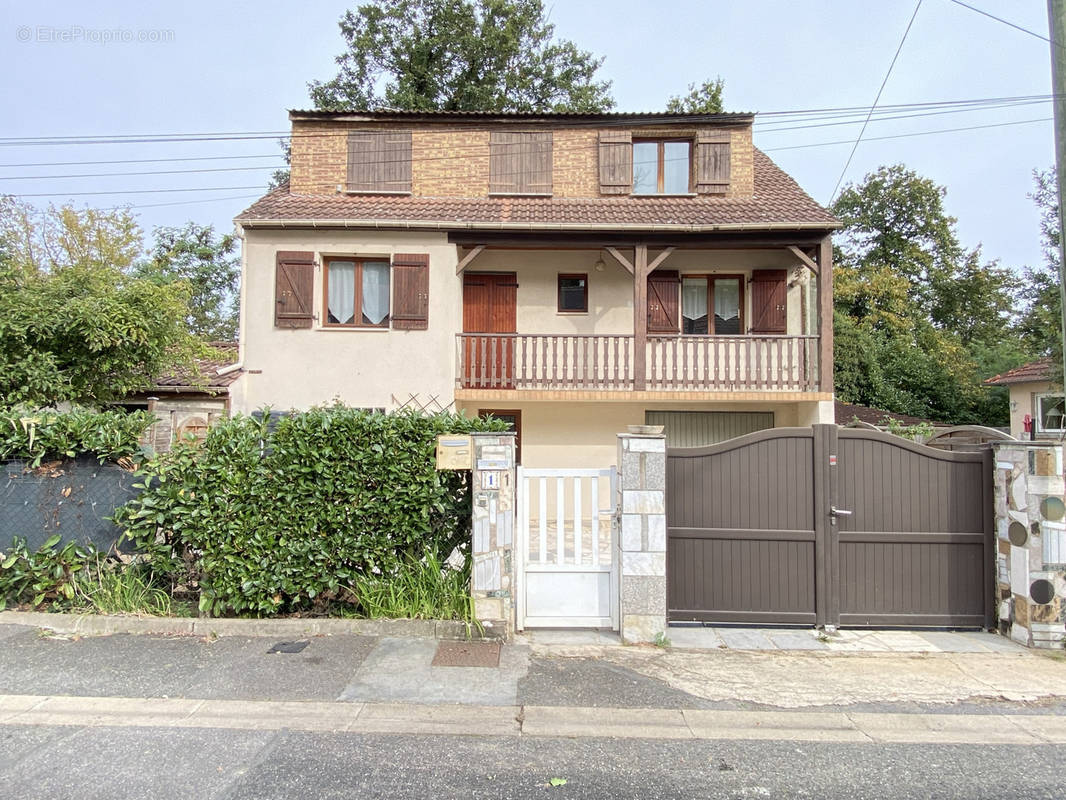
[(375, 292), (726, 299), (694, 298), (342, 292)]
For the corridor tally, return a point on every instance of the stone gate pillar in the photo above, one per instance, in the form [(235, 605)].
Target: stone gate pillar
[(492, 577), (642, 536)]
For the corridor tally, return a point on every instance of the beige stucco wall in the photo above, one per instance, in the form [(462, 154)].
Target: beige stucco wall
[(370, 368), (1022, 402), (584, 434)]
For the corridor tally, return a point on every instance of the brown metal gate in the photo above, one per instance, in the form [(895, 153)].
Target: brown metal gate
[(825, 525)]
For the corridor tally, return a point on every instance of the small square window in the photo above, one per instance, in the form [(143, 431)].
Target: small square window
[(574, 293), (356, 293), (662, 166), (1051, 413)]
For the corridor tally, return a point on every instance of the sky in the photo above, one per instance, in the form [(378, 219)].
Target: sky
[(122, 68)]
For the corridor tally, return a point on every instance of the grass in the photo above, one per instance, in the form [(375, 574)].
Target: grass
[(423, 588), (126, 589)]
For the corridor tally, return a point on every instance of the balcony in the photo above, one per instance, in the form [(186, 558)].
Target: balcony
[(553, 362)]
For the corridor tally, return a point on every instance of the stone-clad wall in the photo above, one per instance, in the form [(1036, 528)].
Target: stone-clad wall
[(1031, 542), (642, 539)]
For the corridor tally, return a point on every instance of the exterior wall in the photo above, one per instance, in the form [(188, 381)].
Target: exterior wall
[(375, 368), (1022, 402), (584, 435), (453, 160), (1031, 539), (492, 577)]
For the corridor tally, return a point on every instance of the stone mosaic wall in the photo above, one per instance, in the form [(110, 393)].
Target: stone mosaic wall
[(1031, 542), (642, 539), (492, 576)]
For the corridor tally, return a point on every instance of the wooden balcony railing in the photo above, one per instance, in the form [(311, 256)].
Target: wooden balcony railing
[(606, 362)]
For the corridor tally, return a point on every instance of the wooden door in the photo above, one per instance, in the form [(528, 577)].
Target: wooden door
[(663, 289), (769, 297), (489, 312)]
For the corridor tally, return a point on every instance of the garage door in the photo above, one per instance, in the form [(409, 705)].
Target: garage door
[(829, 526), (701, 428)]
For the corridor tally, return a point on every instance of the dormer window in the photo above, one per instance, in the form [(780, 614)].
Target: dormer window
[(662, 166)]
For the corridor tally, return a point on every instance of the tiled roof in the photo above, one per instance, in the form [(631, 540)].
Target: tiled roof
[(778, 201), (1039, 370), (607, 116), (846, 412), (208, 380)]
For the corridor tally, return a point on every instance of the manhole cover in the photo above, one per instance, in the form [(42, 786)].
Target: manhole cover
[(287, 647), (467, 654)]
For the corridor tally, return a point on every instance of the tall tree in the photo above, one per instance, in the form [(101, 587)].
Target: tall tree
[(75, 324), (459, 55), (209, 264), (1041, 320), (703, 99)]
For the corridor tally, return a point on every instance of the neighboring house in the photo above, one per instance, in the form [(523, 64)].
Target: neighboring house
[(849, 412), (573, 273), (1033, 395), (187, 404)]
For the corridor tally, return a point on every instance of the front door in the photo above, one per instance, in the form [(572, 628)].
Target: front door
[(489, 305)]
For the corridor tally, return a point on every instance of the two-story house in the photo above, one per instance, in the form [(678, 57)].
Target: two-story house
[(574, 273)]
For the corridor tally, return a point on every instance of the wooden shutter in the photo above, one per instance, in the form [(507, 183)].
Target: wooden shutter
[(616, 162), (379, 161), (294, 286), (769, 297), (663, 292), (520, 162), (712, 162), (410, 281)]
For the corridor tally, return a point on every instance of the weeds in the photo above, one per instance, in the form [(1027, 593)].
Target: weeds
[(423, 588), (110, 588)]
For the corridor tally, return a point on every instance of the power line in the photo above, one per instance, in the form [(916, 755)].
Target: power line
[(1000, 19), (908, 135), (184, 202), (142, 191), (150, 172), (131, 161), (883, 83)]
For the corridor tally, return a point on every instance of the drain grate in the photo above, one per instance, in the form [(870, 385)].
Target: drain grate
[(467, 654), (287, 647)]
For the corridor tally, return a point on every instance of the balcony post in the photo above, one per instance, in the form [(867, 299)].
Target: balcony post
[(825, 313), (640, 316)]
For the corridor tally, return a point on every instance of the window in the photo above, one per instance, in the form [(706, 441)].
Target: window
[(574, 293), (712, 305), (357, 293), (520, 163), (379, 162), (513, 418), (662, 166), (1050, 412)]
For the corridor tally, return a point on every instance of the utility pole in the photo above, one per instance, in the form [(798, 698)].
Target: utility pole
[(1056, 13)]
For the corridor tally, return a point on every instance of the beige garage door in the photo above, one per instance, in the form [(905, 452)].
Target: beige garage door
[(702, 428)]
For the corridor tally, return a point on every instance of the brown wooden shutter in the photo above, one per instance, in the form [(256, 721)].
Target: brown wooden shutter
[(616, 162), (410, 281), (712, 162), (520, 162), (294, 286), (769, 297), (379, 161), (663, 292)]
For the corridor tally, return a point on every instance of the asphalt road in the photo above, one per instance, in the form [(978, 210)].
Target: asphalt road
[(54, 763)]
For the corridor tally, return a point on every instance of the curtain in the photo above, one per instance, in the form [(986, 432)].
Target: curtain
[(727, 307), (341, 292), (375, 292)]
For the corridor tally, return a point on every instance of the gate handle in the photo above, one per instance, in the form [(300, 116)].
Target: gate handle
[(839, 512)]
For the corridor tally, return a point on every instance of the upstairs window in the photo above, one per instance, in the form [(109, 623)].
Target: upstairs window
[(357, 293), (379, 162), (662, 166), (520, 162), (712, 305)]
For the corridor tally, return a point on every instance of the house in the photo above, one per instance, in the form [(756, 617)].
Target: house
[(572, 273), (1033, 397), (187, 402)]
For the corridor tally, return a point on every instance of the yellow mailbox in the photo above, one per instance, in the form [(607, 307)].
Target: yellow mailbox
[(455, 452)]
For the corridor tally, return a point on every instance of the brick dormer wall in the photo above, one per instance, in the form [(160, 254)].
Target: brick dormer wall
[(452, 160)]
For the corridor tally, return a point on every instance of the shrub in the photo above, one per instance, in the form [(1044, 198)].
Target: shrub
[(35, 435), (264, 520), (45, 577)]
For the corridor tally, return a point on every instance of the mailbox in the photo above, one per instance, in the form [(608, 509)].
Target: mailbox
[(455, 452)]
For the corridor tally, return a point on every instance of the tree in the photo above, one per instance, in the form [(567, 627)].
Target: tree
[(459, 55), (1040, 325), (920, 319), (210, 266), (703, 99), (75, 324)]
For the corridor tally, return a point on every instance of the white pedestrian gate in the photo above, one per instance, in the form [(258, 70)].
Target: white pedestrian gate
[(566, 563)]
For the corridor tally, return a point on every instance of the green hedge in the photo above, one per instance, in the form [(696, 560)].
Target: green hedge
[(36, 435), (265, 521)]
